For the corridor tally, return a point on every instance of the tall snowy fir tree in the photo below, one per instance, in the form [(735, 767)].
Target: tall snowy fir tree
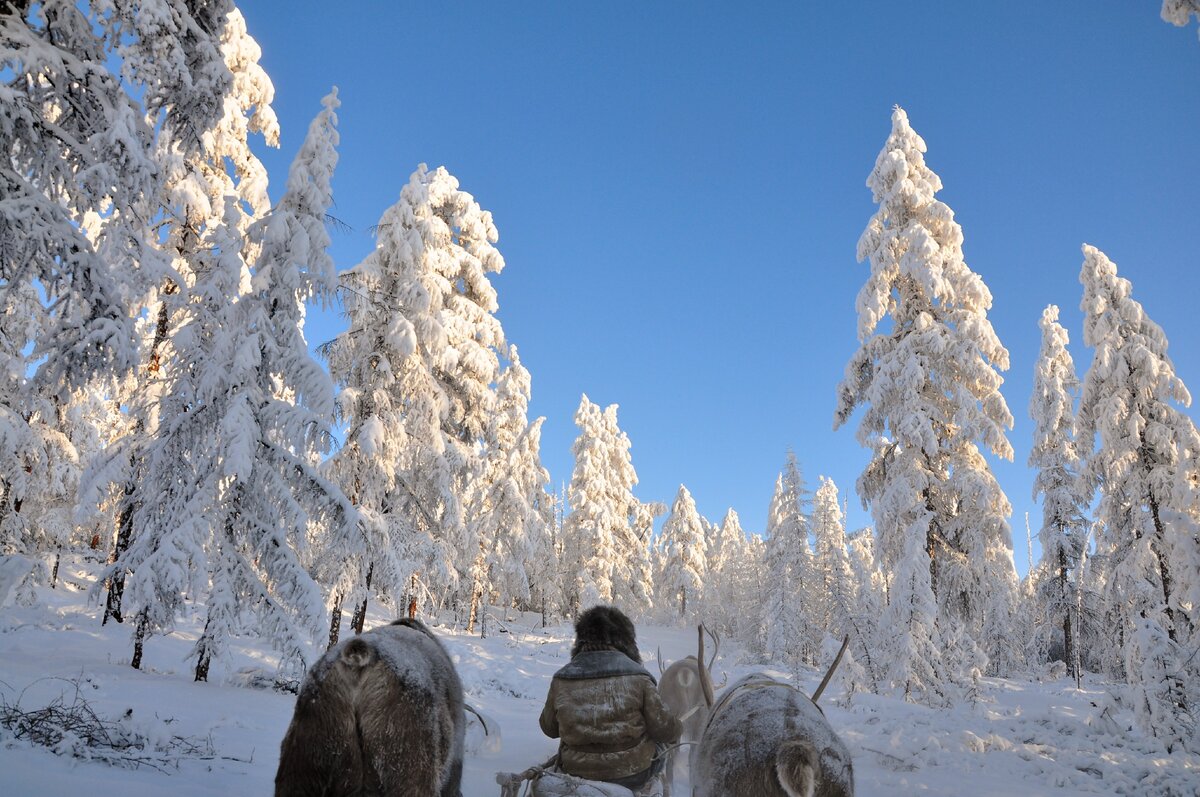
[(214, 188), (1146, 464), (928, 384), (416, 367), (833, 594), (270, 409), (79, 185), (605, 559), (744, 577), (870, 598), (790, 633), (509, 509), (544, 567), (726, 547), (685, 546), (1056, 459), (834, 597)]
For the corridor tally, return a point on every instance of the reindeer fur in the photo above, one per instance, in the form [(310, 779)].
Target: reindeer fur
[(380, 714), (767, 739)]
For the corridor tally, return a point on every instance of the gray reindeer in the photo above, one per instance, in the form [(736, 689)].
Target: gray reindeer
[(379, 714), (766, 738)]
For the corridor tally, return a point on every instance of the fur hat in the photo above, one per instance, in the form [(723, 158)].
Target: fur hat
[(605, 628)]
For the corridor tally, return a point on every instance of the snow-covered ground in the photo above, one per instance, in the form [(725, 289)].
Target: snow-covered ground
[(1019, 738)]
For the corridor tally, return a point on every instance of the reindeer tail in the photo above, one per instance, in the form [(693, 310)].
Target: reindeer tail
[(357, 654), (796, 767)]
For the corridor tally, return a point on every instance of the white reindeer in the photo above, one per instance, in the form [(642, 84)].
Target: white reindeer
[(767, 738), (682, 689)]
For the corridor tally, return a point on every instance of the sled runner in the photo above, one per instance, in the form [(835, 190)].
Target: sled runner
[(547, 780)]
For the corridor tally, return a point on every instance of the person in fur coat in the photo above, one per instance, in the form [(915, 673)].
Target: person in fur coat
[(604, 706)]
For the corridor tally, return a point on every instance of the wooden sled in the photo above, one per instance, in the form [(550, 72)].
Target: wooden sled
[(547, 780)]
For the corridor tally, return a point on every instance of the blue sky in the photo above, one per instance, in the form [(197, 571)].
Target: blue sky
[(679, 190)]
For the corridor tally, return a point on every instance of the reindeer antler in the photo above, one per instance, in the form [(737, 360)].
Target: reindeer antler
[(836, 661), (716, 638)]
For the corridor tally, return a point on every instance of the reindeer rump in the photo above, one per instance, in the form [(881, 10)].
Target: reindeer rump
[(766, 738), (379, 714)]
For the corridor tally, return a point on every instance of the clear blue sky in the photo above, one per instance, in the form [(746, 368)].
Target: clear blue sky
[(679, 189)]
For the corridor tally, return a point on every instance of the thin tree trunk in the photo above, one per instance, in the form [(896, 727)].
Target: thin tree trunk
[(1164, 571), (473, 611), (335, 620), (54, 570), (205, 657), (139, 638), (930, 545), (1068, 638), (476, 591), (360, 612), (116, 584)]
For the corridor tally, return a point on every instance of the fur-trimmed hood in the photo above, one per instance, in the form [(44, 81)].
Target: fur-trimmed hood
[(605, 628)]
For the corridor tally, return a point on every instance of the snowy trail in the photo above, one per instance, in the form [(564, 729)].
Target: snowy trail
[(1022, 738)]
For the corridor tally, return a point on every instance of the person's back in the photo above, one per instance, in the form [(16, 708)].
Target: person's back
[(604, 706)]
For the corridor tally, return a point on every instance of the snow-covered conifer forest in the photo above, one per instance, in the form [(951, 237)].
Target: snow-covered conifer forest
[(195, 503)]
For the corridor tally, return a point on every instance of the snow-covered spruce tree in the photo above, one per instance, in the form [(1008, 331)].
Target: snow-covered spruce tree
[(1056, 459), (604, 559), (214, 189), (1180, 12), (833, 580), (640, 570), (834, 596), (416, 368), (685, 546), (744, 577), (544, 567), (508, 508), (726, 546), (77, 183), (1147, 467), (870, 598), (182, 59), (271, 408), (49, 518), (789, 628), (76, 145), (929, 386)]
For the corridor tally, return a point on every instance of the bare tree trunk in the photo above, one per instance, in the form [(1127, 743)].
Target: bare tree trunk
[(205, 657), (360, 612), (1069, 651), (116, 584), (476, 591), (54, 570), (1164, 571), (335, 620), (473, 610), (139, 638)]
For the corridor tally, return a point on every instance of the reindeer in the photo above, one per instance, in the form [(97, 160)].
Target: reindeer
[(680, 687), (767, 738), (380, 714)]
